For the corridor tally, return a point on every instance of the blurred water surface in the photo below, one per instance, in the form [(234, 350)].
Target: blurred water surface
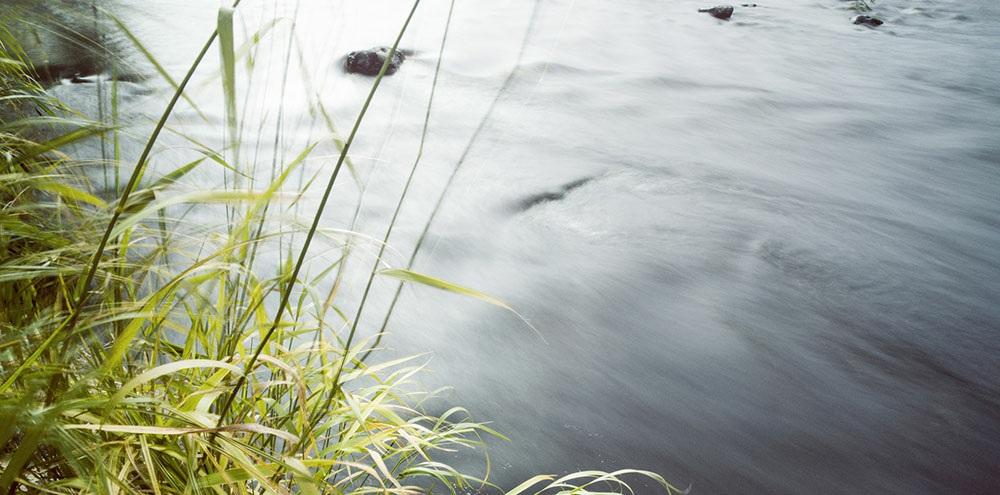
[(764, 254)]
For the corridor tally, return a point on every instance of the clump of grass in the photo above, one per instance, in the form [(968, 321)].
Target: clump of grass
[(136, 361)]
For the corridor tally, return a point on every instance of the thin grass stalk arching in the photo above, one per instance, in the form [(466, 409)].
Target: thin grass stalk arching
[(451, 177), (406, 186), (286, 292)]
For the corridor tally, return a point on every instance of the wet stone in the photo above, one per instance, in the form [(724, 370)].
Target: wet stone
[(369, 62), (867, 20), (80, 79), (549, 196), (723, 12), (51, 74)]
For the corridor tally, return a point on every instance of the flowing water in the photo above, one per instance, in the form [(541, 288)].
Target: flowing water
[(763, 255)]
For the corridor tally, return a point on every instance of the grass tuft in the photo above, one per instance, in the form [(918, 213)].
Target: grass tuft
[(143, 354)]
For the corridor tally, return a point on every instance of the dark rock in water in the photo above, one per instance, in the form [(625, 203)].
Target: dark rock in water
[(80, 79), (723, 12), (867, 20), (60, 38), (52, 74), (369, 62), (548, 196)]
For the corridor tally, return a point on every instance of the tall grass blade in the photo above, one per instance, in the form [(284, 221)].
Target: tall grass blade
[(293, 277), (226, 49), (461, 161)]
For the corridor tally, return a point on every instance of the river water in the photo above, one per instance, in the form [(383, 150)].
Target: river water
[(763, 255)]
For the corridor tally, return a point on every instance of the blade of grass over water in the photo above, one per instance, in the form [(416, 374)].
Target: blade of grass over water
[(399, 204), (529, 31), (277, 144), (409, 179)]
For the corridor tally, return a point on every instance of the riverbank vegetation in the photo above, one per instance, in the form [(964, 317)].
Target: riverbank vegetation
[(139, 354)]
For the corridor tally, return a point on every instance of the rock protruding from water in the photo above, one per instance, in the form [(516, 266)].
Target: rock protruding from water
[(867, 20), (549, 196), (723, 12), (81, 79), (369, 62)]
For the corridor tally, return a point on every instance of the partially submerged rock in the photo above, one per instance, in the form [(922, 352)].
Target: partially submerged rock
[(549, 196), (83, 79), (60, 38), (369, 62), (723, 12), (867, 20), (51, 74)]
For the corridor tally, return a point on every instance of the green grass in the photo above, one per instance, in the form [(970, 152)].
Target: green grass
[(139, 354)]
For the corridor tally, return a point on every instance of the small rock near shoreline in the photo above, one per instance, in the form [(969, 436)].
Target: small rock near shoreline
[(369, 62)]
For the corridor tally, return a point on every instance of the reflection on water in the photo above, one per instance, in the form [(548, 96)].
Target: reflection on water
[(763, 253)]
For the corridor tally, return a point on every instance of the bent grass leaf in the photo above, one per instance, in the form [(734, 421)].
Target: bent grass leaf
[(178, 430), (4, 61), (519, 489), (437, 283), (176, 174), (87, 130), (69, 192), (168, 369), (199, 197)]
